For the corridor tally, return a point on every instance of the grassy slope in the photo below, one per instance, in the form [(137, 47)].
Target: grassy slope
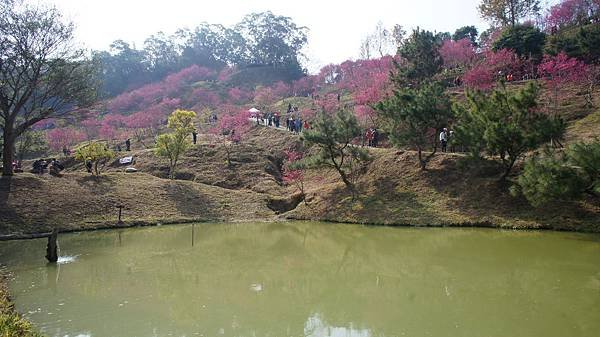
[(585, 129), (452, 192), (36, 204), (393, 191)]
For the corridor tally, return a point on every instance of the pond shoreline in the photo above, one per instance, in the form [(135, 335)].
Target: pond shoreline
[(284, 218)]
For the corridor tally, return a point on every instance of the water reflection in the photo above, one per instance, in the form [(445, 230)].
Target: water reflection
[(309, 279), (315, 327)]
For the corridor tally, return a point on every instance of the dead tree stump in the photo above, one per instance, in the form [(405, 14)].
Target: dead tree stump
[(52, 247)]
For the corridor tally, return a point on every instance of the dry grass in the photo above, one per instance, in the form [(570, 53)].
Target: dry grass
[(585, 129), (452, 192), (33, 204)]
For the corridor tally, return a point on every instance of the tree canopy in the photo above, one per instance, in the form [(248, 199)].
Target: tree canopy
[(172, 145), (505, 123), (265, 40), (466, 32), (414, 116), (42, 74), (508, 12), (333, 134), (421, 53), (525, 40)]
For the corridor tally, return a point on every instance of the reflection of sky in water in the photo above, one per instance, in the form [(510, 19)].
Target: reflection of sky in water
[(315, 327)]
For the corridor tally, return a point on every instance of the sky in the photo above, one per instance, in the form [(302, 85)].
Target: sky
[(336, 27)]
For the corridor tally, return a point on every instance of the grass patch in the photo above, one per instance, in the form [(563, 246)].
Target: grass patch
[(585, 129), (11, 323)]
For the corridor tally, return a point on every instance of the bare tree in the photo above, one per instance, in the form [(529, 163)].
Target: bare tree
[(398, 33), (42, 74), (365, 48), (378, 43)]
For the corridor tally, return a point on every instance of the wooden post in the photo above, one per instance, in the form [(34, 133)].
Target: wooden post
[(193, 227), (52, 247), (120, 222)]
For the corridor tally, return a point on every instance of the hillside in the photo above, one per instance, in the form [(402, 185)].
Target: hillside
[(451, 193), (393, 192)]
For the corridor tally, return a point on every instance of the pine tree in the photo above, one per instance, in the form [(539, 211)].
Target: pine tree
[(415, 116), (505, 123), (555, 175), (421, 53), (333, 136)]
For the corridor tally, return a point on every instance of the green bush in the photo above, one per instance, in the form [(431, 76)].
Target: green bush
[(554, 176)]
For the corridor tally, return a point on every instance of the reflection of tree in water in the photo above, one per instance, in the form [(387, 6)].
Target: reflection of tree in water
[(305, 279)]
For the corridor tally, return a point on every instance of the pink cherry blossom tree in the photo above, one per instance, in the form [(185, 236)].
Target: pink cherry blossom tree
[(232, 130), (225, 74), (459, 53), (293, 174), (493, 67), (304, 86), (264, 97), (281, 89), (328, 103), (365, 115), (239, 96), (91, 127), (571, 12), (559, 71), (60, 138), (174, 83), (203, 98), (144, 124)]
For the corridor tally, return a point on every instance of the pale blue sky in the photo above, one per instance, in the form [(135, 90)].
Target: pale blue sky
[(336, 27)]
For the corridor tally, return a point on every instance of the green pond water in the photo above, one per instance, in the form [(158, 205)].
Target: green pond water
[(309, 279)]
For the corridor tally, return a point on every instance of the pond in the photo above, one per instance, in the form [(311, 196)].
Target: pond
[(309, 279)]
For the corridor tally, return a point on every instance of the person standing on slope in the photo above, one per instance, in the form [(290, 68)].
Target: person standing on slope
[(444, 140)]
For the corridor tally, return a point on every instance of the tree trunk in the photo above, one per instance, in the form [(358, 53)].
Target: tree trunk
[(8, 153), (228, 153), (172, 170), (424, 161), (421, 161), (349, 185), (508, 169)]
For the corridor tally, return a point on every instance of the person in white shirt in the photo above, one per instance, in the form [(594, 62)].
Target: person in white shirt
[(444, 139)]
